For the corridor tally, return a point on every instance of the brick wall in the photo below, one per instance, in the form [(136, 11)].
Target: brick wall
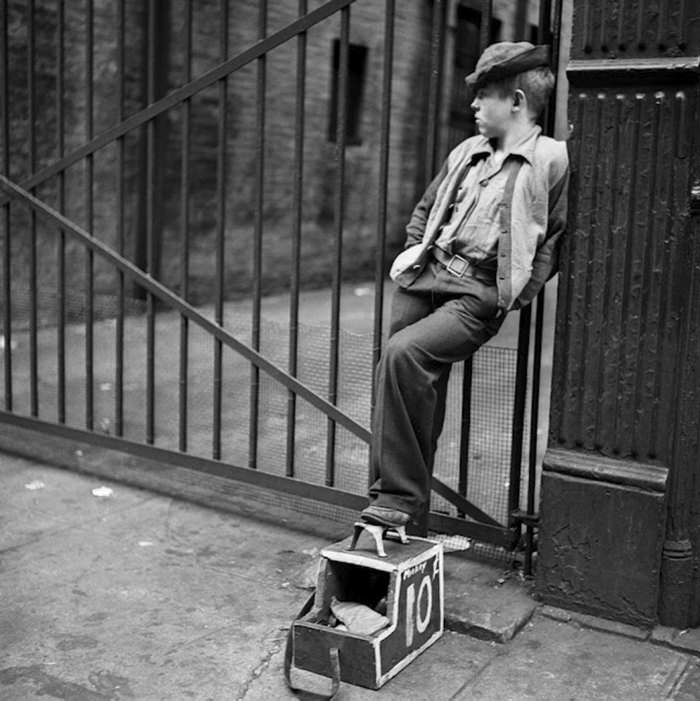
[(321, 158), (320, 155)]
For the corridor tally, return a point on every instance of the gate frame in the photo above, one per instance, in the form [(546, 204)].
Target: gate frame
[(484, 527)]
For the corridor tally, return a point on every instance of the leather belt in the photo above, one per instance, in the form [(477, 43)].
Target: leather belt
[(462, 267)]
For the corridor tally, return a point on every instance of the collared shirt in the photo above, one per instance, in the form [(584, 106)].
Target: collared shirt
[(527, 221), (475, 201), (474, 225)]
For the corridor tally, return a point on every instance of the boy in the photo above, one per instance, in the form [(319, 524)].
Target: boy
[(481, 241)]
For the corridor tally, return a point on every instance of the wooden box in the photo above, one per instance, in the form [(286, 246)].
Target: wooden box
[(409, 579)]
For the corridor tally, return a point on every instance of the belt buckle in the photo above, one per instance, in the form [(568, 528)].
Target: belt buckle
[(457, 266)]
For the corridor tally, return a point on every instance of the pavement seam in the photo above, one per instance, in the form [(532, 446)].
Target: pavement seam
[(675, 684), (669, 645), (479, 672), (598, 624), (623, 630)]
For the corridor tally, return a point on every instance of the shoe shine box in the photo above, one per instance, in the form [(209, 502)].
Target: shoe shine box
[(406, 586)]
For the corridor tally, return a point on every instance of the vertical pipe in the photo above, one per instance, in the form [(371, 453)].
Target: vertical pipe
[(121, 229), (5, 169), (31, 152), (258, 234), (341, 135), (384, 136), (150, 225), (184, 227), (299, 124), (520, 399), (61, 240), (544, 35), (222, 87)]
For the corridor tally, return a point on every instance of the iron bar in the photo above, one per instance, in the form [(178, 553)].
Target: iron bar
[(264, 480), (184, 231), (7, 305), (121, 229), (435, 87), (61, 243), (89, 219), (544, 29), (544, 36), (164, 294), (465, 428), (534, 426), (485, 29), (31, 163), (556, 34), (438, 523), (150, 224), (6, 216), (297, 207), (339, 216), (519, 403), (186, 91), (261, 79), (462, 504), (384, 135), (219, 255)]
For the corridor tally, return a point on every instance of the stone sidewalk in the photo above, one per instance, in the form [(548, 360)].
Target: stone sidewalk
[(124, 593)]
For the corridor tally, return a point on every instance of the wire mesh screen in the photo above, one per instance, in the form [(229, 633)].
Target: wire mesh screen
[(488, 444)]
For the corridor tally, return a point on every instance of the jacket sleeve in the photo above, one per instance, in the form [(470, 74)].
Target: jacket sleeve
[(546, 261), (416, 225)]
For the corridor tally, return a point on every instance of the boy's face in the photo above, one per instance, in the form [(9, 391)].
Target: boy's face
[(492, 112)]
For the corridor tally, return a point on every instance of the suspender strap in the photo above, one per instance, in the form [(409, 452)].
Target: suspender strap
[(504, 238)]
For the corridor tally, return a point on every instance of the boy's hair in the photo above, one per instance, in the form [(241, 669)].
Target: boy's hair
[(537, 84)]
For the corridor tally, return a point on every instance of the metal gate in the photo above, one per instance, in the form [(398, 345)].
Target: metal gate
[(194, 267)]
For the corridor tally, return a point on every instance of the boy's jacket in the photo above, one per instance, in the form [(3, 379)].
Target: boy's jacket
[(531, 215)]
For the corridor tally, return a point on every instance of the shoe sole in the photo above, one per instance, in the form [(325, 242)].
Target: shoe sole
[(379, 521)]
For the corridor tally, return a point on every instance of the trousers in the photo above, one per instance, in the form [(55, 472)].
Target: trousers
[(438, 321)]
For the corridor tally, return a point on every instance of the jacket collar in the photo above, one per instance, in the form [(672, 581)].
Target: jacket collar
[(524, 148)]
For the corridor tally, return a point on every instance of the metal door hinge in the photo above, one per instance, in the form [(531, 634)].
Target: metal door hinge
[(525, 518)]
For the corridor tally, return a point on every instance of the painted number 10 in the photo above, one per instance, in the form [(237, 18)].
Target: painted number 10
[(418, 609)]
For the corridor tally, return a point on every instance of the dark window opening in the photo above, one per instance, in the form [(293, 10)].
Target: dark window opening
[(357, 66)]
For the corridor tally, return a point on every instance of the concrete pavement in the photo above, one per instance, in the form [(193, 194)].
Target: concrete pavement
[(125, 593)]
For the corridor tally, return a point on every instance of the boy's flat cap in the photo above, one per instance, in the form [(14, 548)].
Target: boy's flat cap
[(506, 59)]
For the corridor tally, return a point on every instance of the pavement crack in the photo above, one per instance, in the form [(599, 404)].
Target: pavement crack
[(272, 647)]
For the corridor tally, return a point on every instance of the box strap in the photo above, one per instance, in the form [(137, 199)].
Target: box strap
[(289, 655)]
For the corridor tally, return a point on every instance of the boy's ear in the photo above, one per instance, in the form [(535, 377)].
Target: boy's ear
[(518, 97)]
